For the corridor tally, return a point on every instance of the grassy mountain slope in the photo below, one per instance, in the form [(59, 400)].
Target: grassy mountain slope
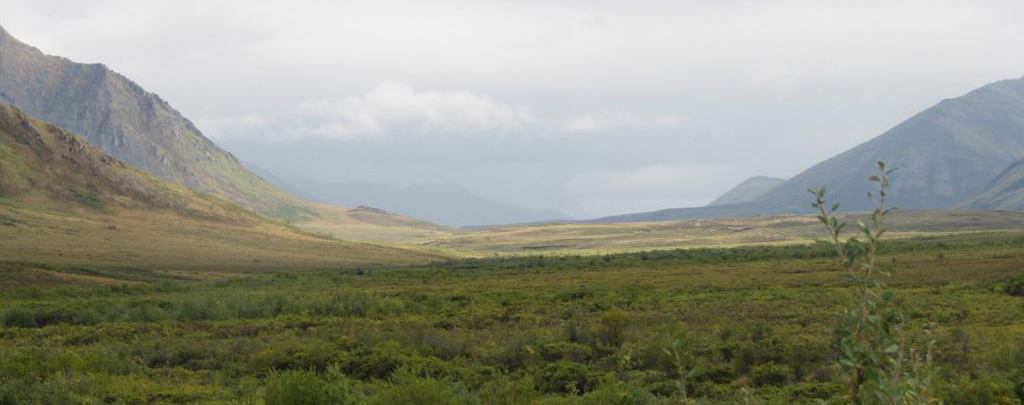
[(749, 190), (65, 202), (1006, 192)]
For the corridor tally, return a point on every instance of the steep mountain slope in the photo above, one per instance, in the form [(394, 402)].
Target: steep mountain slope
[(749, 190), (63, 201), (132, 125), (945, 155), (1006, 192)]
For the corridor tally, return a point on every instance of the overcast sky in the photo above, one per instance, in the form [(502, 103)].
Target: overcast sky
[(590, 108)]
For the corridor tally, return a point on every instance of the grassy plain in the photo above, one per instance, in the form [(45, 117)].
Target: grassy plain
[(572, 238), (754, 323)]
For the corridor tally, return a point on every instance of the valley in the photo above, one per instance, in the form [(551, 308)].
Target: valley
[(142, 263)]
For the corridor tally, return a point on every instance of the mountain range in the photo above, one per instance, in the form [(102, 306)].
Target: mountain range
[(945, 157), (140, 129), (963, 152)]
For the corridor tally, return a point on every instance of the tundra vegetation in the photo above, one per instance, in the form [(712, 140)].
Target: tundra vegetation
[(867, 320)]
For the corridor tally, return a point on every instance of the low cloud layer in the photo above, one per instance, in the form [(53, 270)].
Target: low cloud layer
[(394, 109)]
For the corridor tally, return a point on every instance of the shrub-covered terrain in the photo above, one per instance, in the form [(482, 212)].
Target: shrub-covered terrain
[(753, 324)]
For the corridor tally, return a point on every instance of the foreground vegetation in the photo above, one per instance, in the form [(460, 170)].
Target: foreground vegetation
[(747, 324)]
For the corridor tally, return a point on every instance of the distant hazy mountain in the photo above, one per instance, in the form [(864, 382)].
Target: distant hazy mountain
[(444, 204), (130, 124), (749, 190), (1006, 192), (945, 155)]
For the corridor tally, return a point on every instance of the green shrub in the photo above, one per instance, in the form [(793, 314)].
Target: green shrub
[(614, 325), (718, 374), (505, 390), (565, 351), (378, 362), (408, 388), (296, 353), (769, 374), (564, 377), (1018, 388), (56, 390), (619, 393), (301, 387), (1015, 287), (19, 318), (982, 391)]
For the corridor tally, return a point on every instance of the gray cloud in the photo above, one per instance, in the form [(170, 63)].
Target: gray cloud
[(587, 107)]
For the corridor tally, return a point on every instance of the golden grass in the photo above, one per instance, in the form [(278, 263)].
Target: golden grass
[(571, 238), (166, 240), (368, 225)]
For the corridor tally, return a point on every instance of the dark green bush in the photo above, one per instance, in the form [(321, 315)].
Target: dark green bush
[(564, 377), (19, 318), (769, 374), (374, 363), (408, 388), (1015, 287), (515, 354), (718, 374), (565, 351), (619, 393), (981, 391), (1018, 388), (32, 391), (614, 325), (301, 387), (505, 390)]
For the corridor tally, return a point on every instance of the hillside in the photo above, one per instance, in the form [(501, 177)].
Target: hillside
[(132, 125), (1006, 192), (749, 190), (65, 202), (945, 155)]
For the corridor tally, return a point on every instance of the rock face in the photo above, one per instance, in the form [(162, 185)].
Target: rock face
[(132, 125), (749, 190), (1006, 192)]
